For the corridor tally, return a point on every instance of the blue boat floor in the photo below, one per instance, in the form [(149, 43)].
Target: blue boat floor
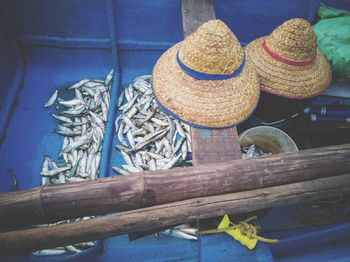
[(30, 136)]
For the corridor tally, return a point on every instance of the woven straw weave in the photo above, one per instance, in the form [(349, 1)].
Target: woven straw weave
[(294, 40), (212, 49)]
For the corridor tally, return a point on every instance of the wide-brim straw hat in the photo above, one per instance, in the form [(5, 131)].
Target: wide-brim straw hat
[(288, 62), (205, 81)]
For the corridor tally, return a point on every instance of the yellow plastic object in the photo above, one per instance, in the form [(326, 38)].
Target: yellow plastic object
[(243, 232), (237, 234)]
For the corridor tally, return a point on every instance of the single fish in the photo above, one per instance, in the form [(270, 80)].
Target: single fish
[(128, 122), (75, 111), (152, 164), (172, 162), (71, 103), (131, 169), (177, 233), (85, 139), (72, 249), (49, 252), (15, 185), (178, 145), (184, 150), (104, 108), (79, 95), (52, 99), (121, 136), (79, 84), (130, 138), (97, 119), (127, 95), (179, 129), (120, 99), (127, 158), (62, 118), (130, 104), (74, 179), (56, 171), (159, 122), (120, 171), (85, 244), (109, 78)]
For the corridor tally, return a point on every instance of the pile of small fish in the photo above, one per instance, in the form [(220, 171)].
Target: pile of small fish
[(82, 123), (150, 140), (154, 140), (77, 248), (184, 231), (253, 151)]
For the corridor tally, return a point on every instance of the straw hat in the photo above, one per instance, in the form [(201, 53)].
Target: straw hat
[(205, 81), (288, 62)]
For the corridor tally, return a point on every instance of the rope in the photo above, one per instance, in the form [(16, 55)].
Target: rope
[(244, 228)]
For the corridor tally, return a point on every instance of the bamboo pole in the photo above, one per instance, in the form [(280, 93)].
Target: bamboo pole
[(171, 214), (54, 203)]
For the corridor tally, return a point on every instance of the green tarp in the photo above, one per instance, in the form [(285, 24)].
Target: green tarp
[(333, 38)]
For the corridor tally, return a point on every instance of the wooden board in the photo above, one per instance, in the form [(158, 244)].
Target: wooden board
[(208, 146)]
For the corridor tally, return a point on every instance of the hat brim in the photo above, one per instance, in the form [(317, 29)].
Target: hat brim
[(204, 103), (278, 78)]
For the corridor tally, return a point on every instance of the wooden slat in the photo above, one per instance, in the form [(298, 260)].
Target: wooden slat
[(208, 146), (213, 145), (195, 13)]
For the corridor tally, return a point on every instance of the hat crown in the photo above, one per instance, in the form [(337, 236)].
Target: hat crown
[(294, 39), (212, 49)]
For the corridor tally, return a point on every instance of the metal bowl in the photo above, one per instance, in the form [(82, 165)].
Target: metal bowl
[(269, 139)]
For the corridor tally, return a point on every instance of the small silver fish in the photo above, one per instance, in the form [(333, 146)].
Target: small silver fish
[(72, 249), (179, 129), (71, 103), (52, 99), (56, 171), (120, 171), (62, 118), (172, 162), (178, 145), (131, 169), (49, 252), (120, 99), (177, 233), (79, 84), (82, 141), (109, 78), (127, 158)]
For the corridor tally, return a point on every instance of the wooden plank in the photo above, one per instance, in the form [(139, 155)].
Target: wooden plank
[(213, 145), (195, 13), (171, 214), (208, 146), (54, 203), (217, 145)]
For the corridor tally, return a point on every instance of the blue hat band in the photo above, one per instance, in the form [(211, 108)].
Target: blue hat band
[(203, 76)]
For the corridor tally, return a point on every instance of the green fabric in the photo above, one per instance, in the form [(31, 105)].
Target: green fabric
[(329, 12), (333, 38)]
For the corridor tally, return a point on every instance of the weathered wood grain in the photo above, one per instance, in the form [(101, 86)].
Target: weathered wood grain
[(54, 203), (214, 145), (171, 214)]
